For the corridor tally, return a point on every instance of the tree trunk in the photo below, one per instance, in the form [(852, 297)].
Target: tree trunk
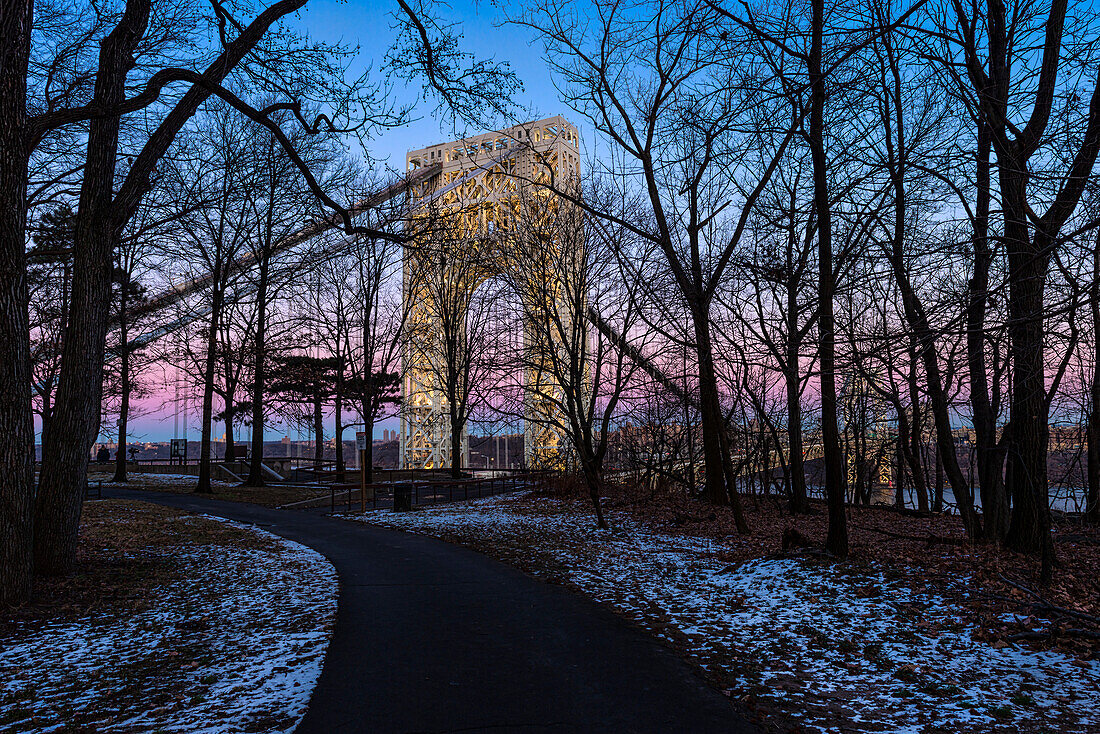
[(16, 423), (990, 458), (205, 459), (230, 436), (318, 433), (1092, 508), (916, 439), (731, 477), (909, 455), (593, 478), (925, 343), (80, 386), (338, 432), (937, 501), (255, 468), (124, 384), (720, 483), (1029, 526), (456, 444), (921, 335), (368, 452), (800, 502), (710, 414), (835, 479)]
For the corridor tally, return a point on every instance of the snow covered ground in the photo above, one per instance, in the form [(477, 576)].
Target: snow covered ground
[(235, 646), (831, 647)]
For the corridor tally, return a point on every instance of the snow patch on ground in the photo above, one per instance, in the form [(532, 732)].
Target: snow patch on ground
[(235, 647), (835, 648)]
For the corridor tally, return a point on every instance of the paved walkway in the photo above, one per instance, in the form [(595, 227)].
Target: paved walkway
[(432, 637)]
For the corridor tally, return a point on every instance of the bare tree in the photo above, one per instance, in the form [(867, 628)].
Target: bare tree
[(1014, 66), (909, 116), (381, 323), (774, 305), (448, 332), (277, 202), (693, 137), (576, 376), (208, 175), (152, 222)]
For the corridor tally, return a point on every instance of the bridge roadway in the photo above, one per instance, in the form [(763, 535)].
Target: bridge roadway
[(432, 637)]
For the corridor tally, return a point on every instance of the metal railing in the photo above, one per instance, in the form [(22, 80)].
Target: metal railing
[(423, 492)]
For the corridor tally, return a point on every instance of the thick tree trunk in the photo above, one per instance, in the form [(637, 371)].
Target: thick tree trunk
[(710, 419), (710, 415), (1029, 526), (835, 478), (80, 387), (720, 483), (16, 423)]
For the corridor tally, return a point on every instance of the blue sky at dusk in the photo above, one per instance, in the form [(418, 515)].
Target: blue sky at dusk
[(369, 24)]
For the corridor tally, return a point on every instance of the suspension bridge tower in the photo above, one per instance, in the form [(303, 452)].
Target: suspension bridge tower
[(464, 221)]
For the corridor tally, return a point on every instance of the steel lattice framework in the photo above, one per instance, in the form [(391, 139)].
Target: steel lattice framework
[(477, 194)]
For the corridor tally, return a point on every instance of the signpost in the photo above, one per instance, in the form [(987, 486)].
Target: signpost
[(178, 450), (361, 447)]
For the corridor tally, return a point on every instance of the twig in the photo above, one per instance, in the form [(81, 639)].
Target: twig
[(1075, 632), (1046, 605), (930, 539)]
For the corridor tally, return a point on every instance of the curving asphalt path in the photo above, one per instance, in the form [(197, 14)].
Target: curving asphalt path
[(432, 637)]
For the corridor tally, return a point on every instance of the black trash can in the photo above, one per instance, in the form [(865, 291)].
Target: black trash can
[(402, 498)]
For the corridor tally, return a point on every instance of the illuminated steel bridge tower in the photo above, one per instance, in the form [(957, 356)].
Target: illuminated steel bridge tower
[(464, 228)]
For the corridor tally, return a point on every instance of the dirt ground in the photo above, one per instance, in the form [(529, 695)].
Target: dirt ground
[(124, 552), (270, 496)]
